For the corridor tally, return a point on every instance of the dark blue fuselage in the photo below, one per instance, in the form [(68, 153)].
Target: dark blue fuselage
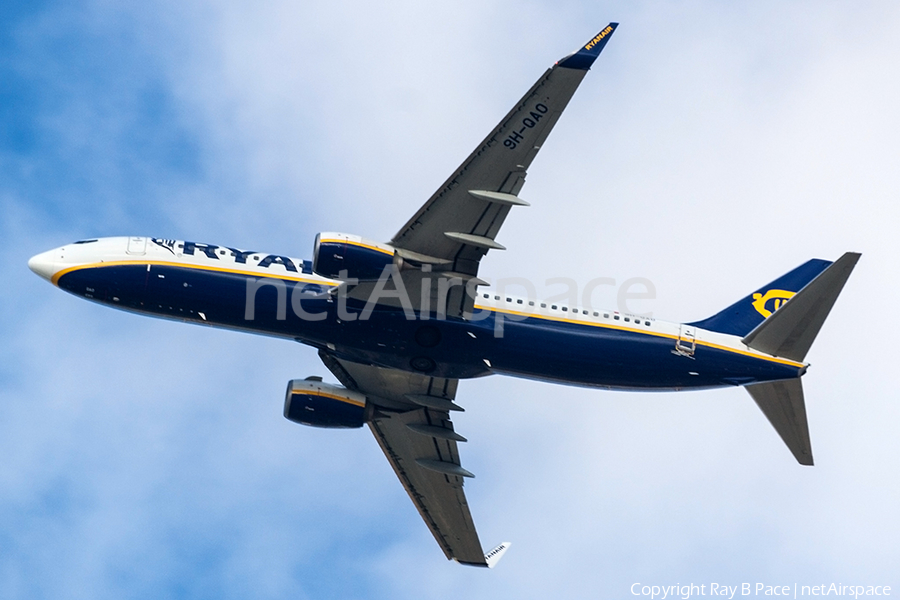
[(542, 347)]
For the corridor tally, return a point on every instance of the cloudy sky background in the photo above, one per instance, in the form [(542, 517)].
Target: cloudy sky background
[(713, 147)]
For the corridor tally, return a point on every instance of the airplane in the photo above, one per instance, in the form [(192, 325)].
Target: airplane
[(398, 324)]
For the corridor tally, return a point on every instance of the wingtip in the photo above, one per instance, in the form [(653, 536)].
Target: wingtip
[(805, 460), (494, 556), (585, 56)]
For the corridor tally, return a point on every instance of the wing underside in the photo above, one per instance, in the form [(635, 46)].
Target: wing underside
[(439, 497), (422, 447)]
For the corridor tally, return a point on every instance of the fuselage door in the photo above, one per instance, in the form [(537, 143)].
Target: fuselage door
[(136, 246), (686, 343)]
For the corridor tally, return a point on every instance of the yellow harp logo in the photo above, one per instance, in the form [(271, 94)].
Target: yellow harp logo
[(766, 304)]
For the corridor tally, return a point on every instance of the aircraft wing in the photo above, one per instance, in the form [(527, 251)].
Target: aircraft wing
[(459, 223), (412, 425)]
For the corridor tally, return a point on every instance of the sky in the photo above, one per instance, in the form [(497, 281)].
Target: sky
[(712, 147)]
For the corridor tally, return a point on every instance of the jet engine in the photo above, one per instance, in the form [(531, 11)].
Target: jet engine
[(311, 402), (361, 258)]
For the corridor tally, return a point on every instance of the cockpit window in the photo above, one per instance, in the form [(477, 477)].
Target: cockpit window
[(85, 241)]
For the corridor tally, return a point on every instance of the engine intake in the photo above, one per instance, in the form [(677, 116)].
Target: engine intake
[(311, 402), (361, 258)]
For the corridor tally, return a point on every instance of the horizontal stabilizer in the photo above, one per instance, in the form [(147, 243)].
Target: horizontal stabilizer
[(789, 331), (782, 403)]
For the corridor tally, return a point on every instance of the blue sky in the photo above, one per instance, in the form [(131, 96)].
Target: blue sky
[(713, 147)]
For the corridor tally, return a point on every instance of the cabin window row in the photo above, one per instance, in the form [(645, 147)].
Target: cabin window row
[(574, 311)]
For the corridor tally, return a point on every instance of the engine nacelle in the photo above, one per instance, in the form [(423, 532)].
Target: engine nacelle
[(361, 258), (311, 402)]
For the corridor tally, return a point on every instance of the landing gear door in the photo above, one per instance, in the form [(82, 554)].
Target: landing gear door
[(686, 344), (136, 246)]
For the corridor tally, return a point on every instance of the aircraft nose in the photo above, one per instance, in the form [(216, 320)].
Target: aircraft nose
[(43, 264)]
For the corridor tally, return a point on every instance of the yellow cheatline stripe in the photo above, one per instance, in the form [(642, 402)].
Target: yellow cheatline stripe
[(360, 244), (119, 263), (774, 359), (327, 395)]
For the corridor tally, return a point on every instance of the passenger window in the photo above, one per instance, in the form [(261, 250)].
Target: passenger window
[(530, 303), (647, 323), (518, 302), (543, 305), (596, 314), (553, 306), (616, 317), (496, 297), (605, 315), (627, 320)]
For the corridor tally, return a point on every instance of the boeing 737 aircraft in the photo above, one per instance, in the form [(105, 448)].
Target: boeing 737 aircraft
[(400, 323)]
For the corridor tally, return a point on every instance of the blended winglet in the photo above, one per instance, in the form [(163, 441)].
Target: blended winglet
[(494, 556), (585, 56)]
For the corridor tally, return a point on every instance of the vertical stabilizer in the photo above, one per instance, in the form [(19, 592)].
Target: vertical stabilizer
[(782, 403), (744, 315)]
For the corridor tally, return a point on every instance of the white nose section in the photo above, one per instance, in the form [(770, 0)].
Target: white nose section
[(43, 265)]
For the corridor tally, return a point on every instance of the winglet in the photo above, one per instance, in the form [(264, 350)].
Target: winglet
[(584, 57), (494, 556)]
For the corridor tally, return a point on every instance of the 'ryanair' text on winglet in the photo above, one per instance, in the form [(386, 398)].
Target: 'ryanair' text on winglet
[(584, 57)]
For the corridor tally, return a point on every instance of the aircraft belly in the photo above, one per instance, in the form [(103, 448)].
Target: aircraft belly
[(593, 356), (437, 348)]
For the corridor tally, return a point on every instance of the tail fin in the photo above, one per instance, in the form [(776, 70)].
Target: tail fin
[(782, 403), (743, 316), (790, 332)]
